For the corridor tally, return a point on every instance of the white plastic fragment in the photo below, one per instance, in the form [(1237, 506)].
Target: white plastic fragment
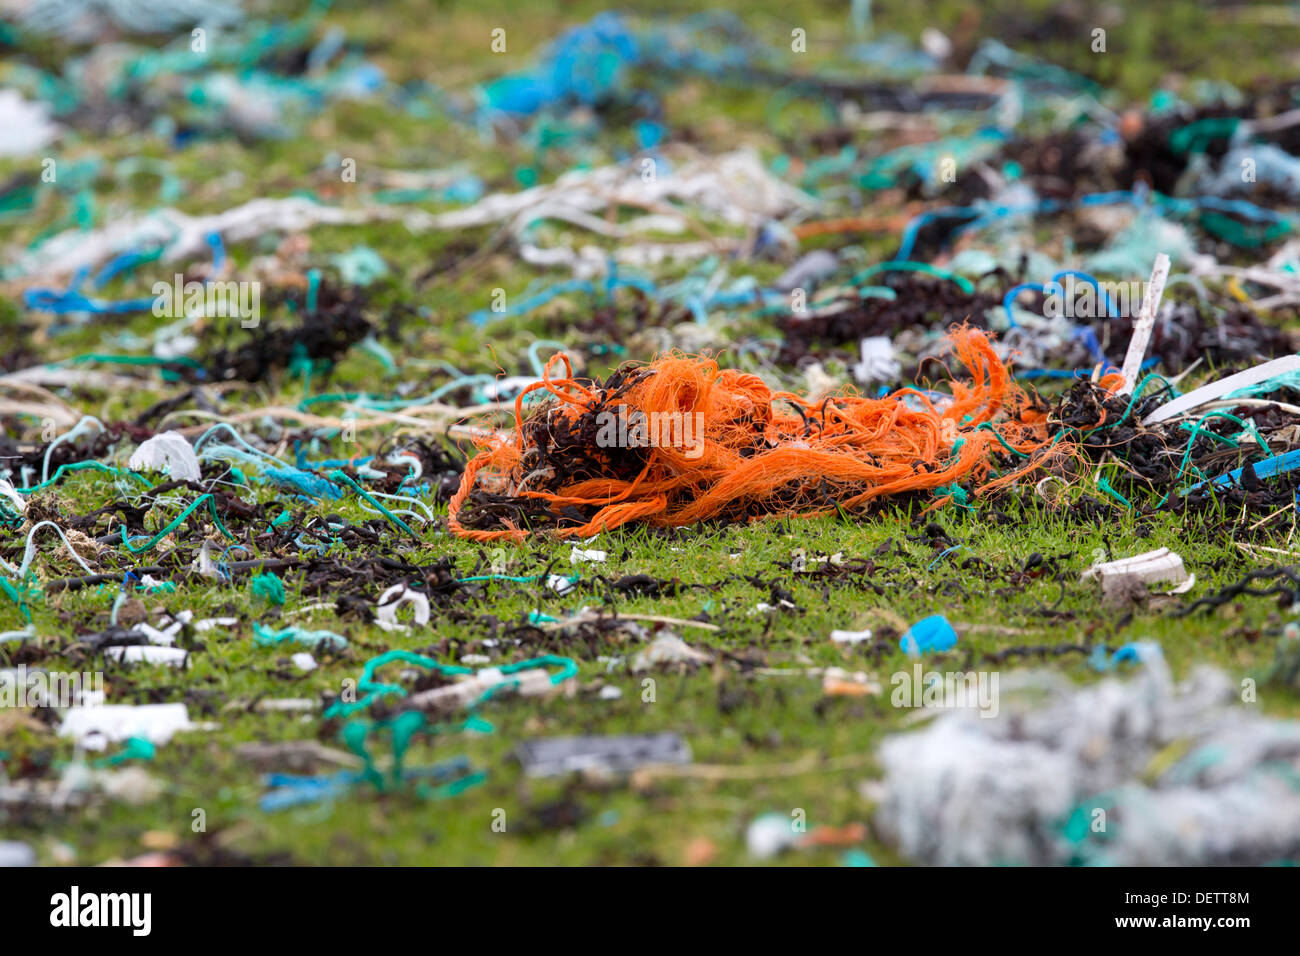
[(1146, 320), (286, 705), (770, 834), (147, 654), (303, 661), (96, 727), (395, 597), (560, 584), (936, 43), (13, 853), (850, 637), (534, 682), (1159, 565), (25, 127), (878, 363), (133, 785), (208, 623), (204, 563), (668, 648), (1224, 386), (735, 187), (170, 453), (762, 607), (165, 637), (581, 555), (810, 269)]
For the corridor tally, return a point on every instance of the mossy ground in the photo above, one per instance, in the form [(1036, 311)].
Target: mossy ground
[(729, 714)]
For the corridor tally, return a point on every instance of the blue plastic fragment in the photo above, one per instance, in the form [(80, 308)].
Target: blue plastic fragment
[(1135, 653), (932, 633), (1268, 468)]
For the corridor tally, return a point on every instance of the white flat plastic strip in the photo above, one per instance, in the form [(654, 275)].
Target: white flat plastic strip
[(1137, 347), (1224, 386)]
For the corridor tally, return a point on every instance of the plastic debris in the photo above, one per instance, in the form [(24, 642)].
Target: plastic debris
[(1161, 565), (96, 727), (808, 271), (1177, 776), (25, 128), (555, 756), (877, 363), (851, 637), (268, 587), (1146, 319), (667, 648), (838, 682), (169, 453), (770, 834), (890, 299), (181, 235), (718, 470), (13, 853), (299, 755), (929, 635), (82, 20), (1224, 386), (172, 656), (529, 682), (394, 598)]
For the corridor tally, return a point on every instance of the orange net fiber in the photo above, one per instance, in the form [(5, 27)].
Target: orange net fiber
[(681, 440)]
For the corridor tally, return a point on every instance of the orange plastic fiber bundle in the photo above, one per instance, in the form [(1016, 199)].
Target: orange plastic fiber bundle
[(680, 441)]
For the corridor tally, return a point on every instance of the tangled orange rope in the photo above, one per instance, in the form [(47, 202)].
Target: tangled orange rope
[(749, 459)]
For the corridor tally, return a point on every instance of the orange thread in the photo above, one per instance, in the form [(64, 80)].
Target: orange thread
[(752, 458)]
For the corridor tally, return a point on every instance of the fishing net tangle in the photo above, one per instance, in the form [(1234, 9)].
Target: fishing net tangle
[(736, 450)]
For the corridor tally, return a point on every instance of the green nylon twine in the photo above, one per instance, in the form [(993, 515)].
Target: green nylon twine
[(268, 587), (152, 542)]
